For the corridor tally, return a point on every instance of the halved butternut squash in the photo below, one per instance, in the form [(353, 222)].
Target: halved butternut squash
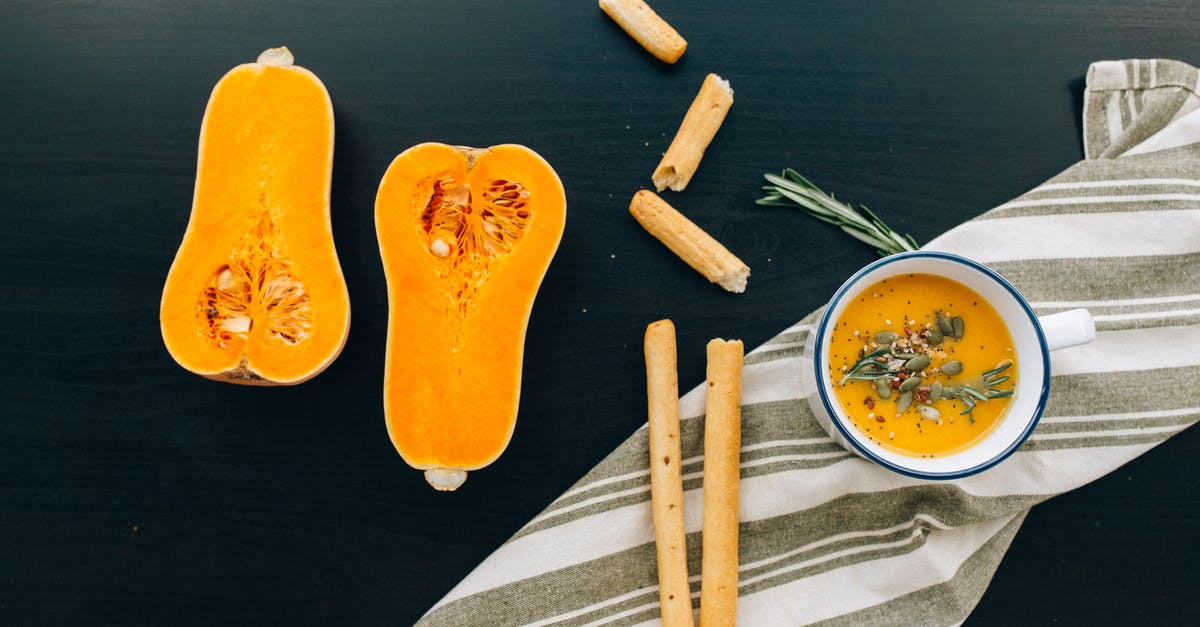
[(466, 236), (256, 294)]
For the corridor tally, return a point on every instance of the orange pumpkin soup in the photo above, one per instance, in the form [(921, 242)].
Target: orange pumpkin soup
[(922, 365)]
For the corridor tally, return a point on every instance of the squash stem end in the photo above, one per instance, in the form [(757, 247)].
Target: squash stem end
[(276, 57), (445, 479)]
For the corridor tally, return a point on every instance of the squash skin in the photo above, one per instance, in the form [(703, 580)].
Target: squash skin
[(452, 375), (263, 178)]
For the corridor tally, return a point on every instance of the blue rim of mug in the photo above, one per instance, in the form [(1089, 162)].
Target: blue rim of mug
[(819, 368)]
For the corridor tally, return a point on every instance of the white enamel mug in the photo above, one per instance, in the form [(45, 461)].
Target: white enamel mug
[(1033, 340)]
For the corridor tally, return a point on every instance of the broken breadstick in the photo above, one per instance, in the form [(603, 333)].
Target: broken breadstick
[(645, 26), (689, 241), (722, 449), (699, 127), (666, 482)]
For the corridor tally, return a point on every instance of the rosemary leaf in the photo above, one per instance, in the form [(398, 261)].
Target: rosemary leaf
[(998, 369), (970, 390)]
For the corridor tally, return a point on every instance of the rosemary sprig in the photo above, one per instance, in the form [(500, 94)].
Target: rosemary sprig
[(790, 188), (990, 379), (867, 369)]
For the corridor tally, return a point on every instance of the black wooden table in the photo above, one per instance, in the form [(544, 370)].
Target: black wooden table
[(132, 492)]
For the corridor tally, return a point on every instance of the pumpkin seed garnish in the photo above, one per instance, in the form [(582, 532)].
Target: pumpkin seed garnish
[(886, 337), (918, 363), (883, 388), (893, 372), (944, 324), (904, 402)]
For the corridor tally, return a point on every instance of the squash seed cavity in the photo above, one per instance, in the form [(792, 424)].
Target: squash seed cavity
[(470, 234), (457, 228), (256, 286)]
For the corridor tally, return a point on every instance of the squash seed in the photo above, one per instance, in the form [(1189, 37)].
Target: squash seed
[(918, 363), (910, 384), (944, 324), (934, 336), (439, 247), (904, 402), (935, 391), (957, 325), (883, 388), (886, 337), (929, 412), (952, 367)]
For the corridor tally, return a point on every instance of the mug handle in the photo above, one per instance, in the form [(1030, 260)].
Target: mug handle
[(1068, 328)]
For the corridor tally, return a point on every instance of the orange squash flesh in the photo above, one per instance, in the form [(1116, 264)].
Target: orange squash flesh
[(256, 294), (466, 236)]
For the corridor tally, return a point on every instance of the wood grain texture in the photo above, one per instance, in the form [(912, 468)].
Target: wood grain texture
[(133, 492)]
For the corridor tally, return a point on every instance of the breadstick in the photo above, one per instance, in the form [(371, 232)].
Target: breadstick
[(699, 127), (645, 26), (689, 241), (666, 482), (722, 448)]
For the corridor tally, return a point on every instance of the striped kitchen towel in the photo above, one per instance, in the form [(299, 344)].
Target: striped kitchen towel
[(828, 537)]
